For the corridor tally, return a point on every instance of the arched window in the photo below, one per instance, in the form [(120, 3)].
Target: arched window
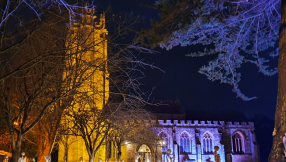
[(184, 142), (145, 153), (144, 148), (238, 142), (165, 141), (207, 143)]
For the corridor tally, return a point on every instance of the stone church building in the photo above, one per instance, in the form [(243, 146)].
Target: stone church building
[(194, 140), (186, 140)]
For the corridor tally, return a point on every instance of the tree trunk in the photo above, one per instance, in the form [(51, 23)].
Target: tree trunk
[(119, 152), (16, 149), (41, 158), (46, 151), (39, 145), (277, 151), (66, 150), (43, 150), (44, 144), (91, 158)]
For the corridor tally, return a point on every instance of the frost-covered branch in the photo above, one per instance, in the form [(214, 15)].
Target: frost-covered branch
[(240, 30)]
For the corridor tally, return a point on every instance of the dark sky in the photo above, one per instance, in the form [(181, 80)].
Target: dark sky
[(182, 81)]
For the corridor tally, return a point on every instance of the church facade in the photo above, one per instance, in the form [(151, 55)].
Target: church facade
[(194, 140)]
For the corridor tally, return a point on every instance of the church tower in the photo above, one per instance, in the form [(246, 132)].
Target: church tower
[(88, 41), (87, 46)]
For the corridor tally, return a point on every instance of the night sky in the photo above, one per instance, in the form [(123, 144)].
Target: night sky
[(182, 81)]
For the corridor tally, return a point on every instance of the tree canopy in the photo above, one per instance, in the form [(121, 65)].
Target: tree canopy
[(236, 31)]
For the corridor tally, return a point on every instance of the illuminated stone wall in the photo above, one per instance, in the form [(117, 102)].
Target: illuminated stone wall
[(221, 133)]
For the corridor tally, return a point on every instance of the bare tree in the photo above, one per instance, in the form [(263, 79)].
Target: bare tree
[(114, 124), (5, 139), (29, 145), (47, 130), (10, 8), (17, 24), (91, 125), (26, 97), (150, 135), (128, 121), (64, 139), (53, 77)]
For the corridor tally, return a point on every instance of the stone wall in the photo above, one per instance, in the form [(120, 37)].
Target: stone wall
[(221, 133)]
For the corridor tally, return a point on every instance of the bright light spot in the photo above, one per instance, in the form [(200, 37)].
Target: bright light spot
[(164, 143), (141, 149), (126, 143)]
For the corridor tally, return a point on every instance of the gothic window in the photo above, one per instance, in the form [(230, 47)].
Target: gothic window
[(184, 142), (238, 143), (144, 148), (164, 141), (207, 143)]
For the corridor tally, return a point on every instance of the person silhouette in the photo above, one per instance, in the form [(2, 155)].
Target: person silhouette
[(284, 143), (22, 158), (6, 158), (169, 159)]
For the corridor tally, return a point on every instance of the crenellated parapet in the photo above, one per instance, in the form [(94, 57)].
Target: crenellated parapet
[(87, 17), (196, 123)]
